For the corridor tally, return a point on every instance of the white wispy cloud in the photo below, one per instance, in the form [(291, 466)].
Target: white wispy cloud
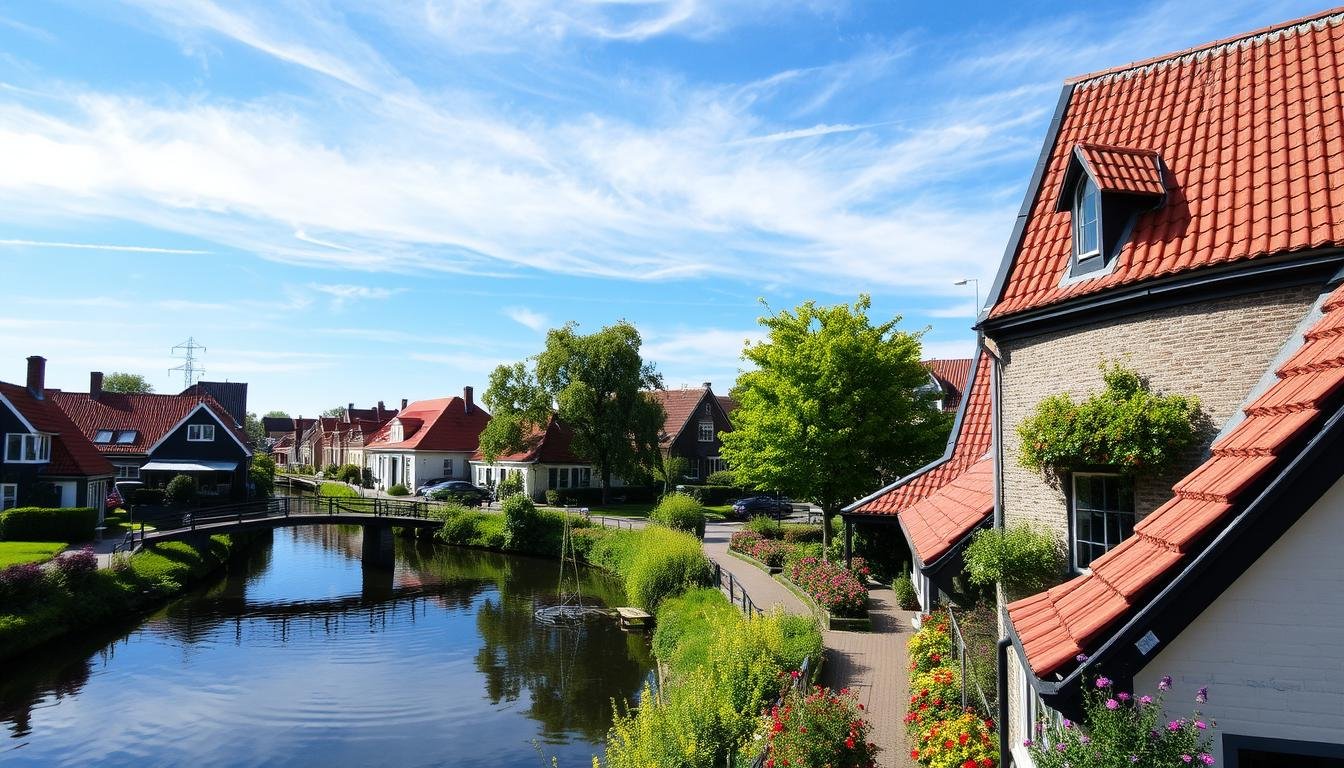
[(101, 247), (527, 318), (341, 292)]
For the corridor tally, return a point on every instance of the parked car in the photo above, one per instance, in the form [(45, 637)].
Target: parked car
[(752, 506), (423, 488), (460, 491)]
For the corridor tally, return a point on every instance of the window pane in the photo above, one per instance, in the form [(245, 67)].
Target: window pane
[(550, 476), (1082, 489), (30, 447)]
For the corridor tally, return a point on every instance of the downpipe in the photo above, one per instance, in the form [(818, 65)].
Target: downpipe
[(1005, 756)]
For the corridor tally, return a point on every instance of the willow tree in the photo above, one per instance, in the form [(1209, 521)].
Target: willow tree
[(833, 406), (597, 385)]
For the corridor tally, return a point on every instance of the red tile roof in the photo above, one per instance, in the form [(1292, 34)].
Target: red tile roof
[(680, 406), (443, 424), (1058, 624), (150, 416), (1251, 132), (969, 445), (71, 452), (945, 517), (551, 445), (952, 375), (1124, 170), (727, 403)]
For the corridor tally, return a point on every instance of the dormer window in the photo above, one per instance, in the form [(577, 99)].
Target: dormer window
[(395, 433), (1104, 190), (22, 448), (1086, 221)]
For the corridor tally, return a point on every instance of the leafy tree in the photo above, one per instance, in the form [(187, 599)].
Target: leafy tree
[(597, 385), (833, 408), (275, 415), (256, 433), (670, 470), (128, 383), (333, 413), (262, 474)]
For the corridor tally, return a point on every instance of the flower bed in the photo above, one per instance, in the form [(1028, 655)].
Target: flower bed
[(767, 554), (942, 732), (835, 588), (822, 728)]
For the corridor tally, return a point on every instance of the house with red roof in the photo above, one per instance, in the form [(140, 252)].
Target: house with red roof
[(1186, 219), (940, 506), (46, 461), (695, 417), (546, 462), (152, 438), (427, 440), (948, 378)]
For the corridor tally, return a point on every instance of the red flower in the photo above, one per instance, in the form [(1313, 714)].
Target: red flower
[(849, 742)]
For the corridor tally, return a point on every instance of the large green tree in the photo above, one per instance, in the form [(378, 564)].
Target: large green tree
[(597, 385), (834, 406), (129, 383)]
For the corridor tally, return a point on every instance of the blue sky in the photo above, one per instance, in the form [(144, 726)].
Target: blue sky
[(346, 203)]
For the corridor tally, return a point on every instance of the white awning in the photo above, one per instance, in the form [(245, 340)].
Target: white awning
[(200, 465)]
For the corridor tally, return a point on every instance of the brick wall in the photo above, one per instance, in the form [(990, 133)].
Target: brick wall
[(1215, 350)]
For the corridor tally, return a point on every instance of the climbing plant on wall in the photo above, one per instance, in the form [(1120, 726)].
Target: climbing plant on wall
[(1126, 426)]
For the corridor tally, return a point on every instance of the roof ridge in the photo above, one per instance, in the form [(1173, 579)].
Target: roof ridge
[(1329, 16)]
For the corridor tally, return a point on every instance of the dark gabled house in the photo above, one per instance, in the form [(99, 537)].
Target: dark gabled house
[(152, 438), (231, 395), (1186, 218), (694, 420), (277, 427), (46, 461)]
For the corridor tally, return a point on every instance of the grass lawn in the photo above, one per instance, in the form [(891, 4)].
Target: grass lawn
[(117, 522), (15, 552)]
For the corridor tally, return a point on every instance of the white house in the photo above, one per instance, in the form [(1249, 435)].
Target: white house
[(426, 440)]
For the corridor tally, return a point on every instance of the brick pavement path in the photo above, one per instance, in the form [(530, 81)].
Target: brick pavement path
[(872, 664)]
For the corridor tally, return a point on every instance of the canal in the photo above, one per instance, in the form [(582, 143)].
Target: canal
[(301, 656)]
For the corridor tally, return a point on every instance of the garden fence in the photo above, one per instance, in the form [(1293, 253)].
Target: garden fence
[(965, 657)]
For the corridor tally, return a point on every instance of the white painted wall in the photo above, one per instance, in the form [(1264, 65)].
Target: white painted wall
[(422, 466), (1271, 647)]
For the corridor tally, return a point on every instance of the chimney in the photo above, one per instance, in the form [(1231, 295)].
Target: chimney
[(706, 385), (403, 403), (469, 397), (95, 385), (37, 376)]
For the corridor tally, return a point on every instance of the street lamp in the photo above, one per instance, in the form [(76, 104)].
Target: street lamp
[(977, 292)]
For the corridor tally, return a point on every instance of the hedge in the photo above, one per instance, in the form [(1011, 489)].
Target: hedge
[(714, 495), (150, 496), (69, 524)]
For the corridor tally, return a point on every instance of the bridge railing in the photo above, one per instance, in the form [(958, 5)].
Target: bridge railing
[(292, 506)]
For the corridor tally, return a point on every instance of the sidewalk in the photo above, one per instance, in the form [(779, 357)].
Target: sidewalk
[(872, 664)]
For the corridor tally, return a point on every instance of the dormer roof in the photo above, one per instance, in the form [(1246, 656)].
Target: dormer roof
[(1115, 170)]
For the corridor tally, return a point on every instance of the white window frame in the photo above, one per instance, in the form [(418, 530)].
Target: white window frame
[(128, 471), (9, 495), (1079, 223), (99, 439), (717, 464), (205, 433), (1074, 541), (38, 444), (447, 467), (693, 469), (706, 428)]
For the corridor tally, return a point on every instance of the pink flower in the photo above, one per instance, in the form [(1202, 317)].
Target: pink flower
[(1206, 758), (1122, 696), (1112, 704), (1103, 682), (1165, 683), (1186, 758), (1145, 700)]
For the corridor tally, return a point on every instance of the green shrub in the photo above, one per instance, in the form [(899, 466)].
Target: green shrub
[(398, 489), (578, 497), (680, 512), (765, 526), (68, 524), (724, 477), (349, 473), (1125, 425), (1022, 558), (801, 533), (460, 524), (181, 491), (818, 727), (510, 485), (523, 525), (906, 596), (366, 478), (337, 490), (147, 496), (713, 495), (655, 563), (262, 474), (553, 498), (331, 471)]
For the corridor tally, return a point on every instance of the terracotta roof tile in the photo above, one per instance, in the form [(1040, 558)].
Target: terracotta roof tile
[(1056, 625), (953, 375), (971, 443), (71, 452), (938, 522), (1249, 131), (442, 424), (1122, 169), (150, 416), (551, 445), (679, 405)]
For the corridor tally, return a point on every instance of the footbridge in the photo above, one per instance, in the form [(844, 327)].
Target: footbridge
[(377, 516)]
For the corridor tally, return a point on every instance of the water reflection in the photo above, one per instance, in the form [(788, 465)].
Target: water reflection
[(301, 656)]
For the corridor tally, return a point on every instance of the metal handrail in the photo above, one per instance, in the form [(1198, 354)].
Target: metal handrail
[(733, 588), (959, 648)]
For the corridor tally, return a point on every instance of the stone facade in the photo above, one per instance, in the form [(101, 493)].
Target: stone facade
[(1216, 350)]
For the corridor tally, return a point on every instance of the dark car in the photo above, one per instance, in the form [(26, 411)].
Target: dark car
[(423, 488), (460, 491), (753, 506)]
